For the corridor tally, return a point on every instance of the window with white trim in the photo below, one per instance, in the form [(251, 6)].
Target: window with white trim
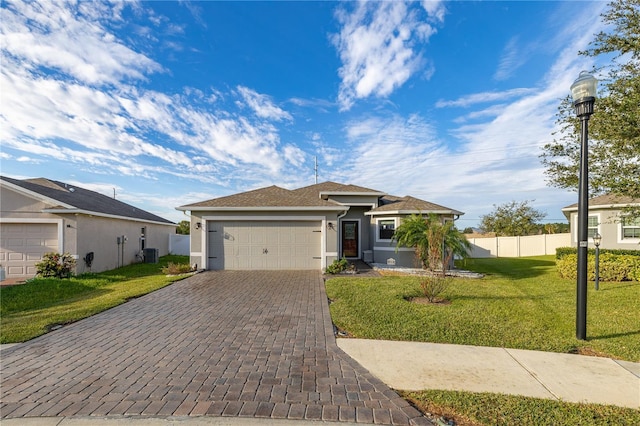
[(592, 225), (630, 227), (386, 229)]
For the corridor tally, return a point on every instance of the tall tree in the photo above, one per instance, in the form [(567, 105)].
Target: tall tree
[(512, 219), (614, 128), (435, 241)]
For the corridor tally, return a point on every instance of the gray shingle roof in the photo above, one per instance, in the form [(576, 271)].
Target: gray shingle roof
[(607, 200), (391, 203), (73, 197), (271, 196), (334, 188), (309, 197)]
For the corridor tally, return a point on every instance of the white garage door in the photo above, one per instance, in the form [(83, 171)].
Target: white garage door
[(243, 245), (23, 244)]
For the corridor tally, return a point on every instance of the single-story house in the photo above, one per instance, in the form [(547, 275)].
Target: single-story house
[(40, 216), (305, 228), (607, 217)]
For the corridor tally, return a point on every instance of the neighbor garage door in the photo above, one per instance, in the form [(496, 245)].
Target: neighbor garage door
[(23, 244), (263, 245)]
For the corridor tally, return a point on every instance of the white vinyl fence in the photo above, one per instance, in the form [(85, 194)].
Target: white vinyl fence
[(179, 244), (532, 245)]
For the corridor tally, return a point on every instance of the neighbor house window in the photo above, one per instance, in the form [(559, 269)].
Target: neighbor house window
[(631, 227), (386, 228), (593, 226)]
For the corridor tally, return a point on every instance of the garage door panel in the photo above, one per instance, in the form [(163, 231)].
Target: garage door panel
[(33, 256), (264, 245), (14, 256), (22, 245)]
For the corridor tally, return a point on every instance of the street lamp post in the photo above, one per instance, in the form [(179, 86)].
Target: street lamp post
[(583, 91), (597, 239)]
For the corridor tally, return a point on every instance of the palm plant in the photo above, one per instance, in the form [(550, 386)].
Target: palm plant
[(435, 242)]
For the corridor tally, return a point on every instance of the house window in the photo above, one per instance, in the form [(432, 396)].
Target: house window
[(631, 227), (592, 226), (386, 228)]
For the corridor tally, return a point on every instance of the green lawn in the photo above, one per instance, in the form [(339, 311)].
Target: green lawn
[(520, 303), (29, 310), (492, 409)]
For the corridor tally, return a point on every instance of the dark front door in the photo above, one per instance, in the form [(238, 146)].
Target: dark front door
[(349, 238)]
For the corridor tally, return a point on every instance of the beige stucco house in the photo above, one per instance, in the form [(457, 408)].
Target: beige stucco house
[(607, 217), (305, 228), (40, 215)]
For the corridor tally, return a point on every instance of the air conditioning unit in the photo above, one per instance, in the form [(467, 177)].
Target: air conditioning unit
[(151, 255)]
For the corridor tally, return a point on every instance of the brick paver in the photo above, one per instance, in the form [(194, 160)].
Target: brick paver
[(220, 343)]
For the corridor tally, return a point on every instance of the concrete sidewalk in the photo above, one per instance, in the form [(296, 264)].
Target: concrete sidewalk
[(566, 377)]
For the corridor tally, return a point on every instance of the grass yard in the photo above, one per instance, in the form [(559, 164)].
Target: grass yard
[(490, 409), (29, 310), (520, 303)]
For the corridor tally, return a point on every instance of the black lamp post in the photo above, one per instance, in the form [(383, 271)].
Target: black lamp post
[(583, 91), (597, 239)]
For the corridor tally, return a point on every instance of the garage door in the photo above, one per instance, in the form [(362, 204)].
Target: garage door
[(264, 245), (23, 244)]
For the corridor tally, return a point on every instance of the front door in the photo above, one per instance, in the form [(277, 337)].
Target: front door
[(349, 238)]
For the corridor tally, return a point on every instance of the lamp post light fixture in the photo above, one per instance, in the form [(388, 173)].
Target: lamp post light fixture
[(597, 239), (583, 91)]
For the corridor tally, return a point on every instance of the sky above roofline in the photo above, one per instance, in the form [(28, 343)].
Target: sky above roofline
[(171, 103)]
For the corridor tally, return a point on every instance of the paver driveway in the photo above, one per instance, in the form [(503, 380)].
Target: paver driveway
[(223, 343)]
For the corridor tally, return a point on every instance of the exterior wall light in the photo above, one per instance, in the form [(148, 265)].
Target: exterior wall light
[(597, 239)]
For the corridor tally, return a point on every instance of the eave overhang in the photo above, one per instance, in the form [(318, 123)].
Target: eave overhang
[(602, 207), (105, 215), (409, 212), (336, 208)]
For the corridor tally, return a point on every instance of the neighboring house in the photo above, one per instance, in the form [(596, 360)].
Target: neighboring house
[(40, 215), (606, 217), (306, 228)]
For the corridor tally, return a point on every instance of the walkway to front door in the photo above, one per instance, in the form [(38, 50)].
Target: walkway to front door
[(221, 343)]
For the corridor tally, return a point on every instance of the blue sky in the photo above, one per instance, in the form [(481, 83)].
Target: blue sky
[(168, 103)]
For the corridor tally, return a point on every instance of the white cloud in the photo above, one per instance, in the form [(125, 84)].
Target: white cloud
[(262, 105), (435, 9), (485, 97), (377, 47), (73, 92), (321, 105), (61, 37), (294, 155), (388, 152), (495, 159), (26, 159), (512, 58)]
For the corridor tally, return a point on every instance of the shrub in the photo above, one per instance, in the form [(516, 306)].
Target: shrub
[(176, 268), (564, 251), (55, 265), (613, 267), (337, 266), (432, 286)]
